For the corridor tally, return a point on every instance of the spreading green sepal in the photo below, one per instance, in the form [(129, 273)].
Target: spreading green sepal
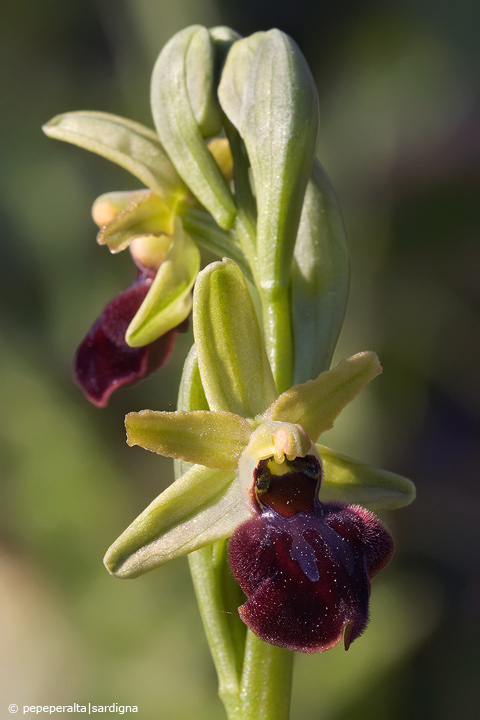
[(214, 439), (198, 509), (315, 404), (186, 111), (353, 482), (233, 364), (169, 300), (320, 278), (126, 143)]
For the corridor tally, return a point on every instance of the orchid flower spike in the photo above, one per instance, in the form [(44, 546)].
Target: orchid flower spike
[(304, 542)]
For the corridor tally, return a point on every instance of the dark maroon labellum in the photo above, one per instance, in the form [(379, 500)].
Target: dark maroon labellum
[(104, 362), (304, 565)]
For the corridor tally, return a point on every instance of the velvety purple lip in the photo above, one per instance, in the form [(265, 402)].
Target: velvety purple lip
[(104, 362)]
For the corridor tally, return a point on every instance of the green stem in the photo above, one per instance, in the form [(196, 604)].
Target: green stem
[(254, 678), (277, 327), (266, 683), (224, 631)]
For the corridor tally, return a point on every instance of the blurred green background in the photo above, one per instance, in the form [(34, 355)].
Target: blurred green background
[(400, 140)]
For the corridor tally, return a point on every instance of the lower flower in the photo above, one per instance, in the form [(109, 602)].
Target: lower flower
[(302, 545), (305, 565)]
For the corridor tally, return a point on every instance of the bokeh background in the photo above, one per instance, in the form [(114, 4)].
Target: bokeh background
[(400, 140)]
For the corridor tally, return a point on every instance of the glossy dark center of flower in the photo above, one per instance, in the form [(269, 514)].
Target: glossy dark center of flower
[(289, 487)]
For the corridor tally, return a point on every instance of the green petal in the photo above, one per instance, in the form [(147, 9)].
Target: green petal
[(233, 365), (353, 482), (169, 300), (128, 144), (200, 508), (214, 439), (320, 278), (316, 403), (146, 215), (276, 114), (186, 110)]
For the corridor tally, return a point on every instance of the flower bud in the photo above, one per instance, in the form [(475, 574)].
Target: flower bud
[(186, 110), (268, 94)]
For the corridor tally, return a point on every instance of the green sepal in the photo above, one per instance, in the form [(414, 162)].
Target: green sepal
[(169, 300), (214, 439), (320, 278), (276, 114), (198, 509), (147, 214), (185, 110), (353, 482), (315, 404), (126, 143), (233, 364)]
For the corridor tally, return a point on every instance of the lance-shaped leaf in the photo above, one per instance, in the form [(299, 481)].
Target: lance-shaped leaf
[(185, 110), (126, 143), (233, 364), (315, 404), (146, 214), (320, 278), (278, 121), (353, 482), (168, 301), (200, 508), (214, 439)]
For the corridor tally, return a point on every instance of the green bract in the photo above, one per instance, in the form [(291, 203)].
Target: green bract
[(186, 111), (214, 496), (278, 122), (320, 278)]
